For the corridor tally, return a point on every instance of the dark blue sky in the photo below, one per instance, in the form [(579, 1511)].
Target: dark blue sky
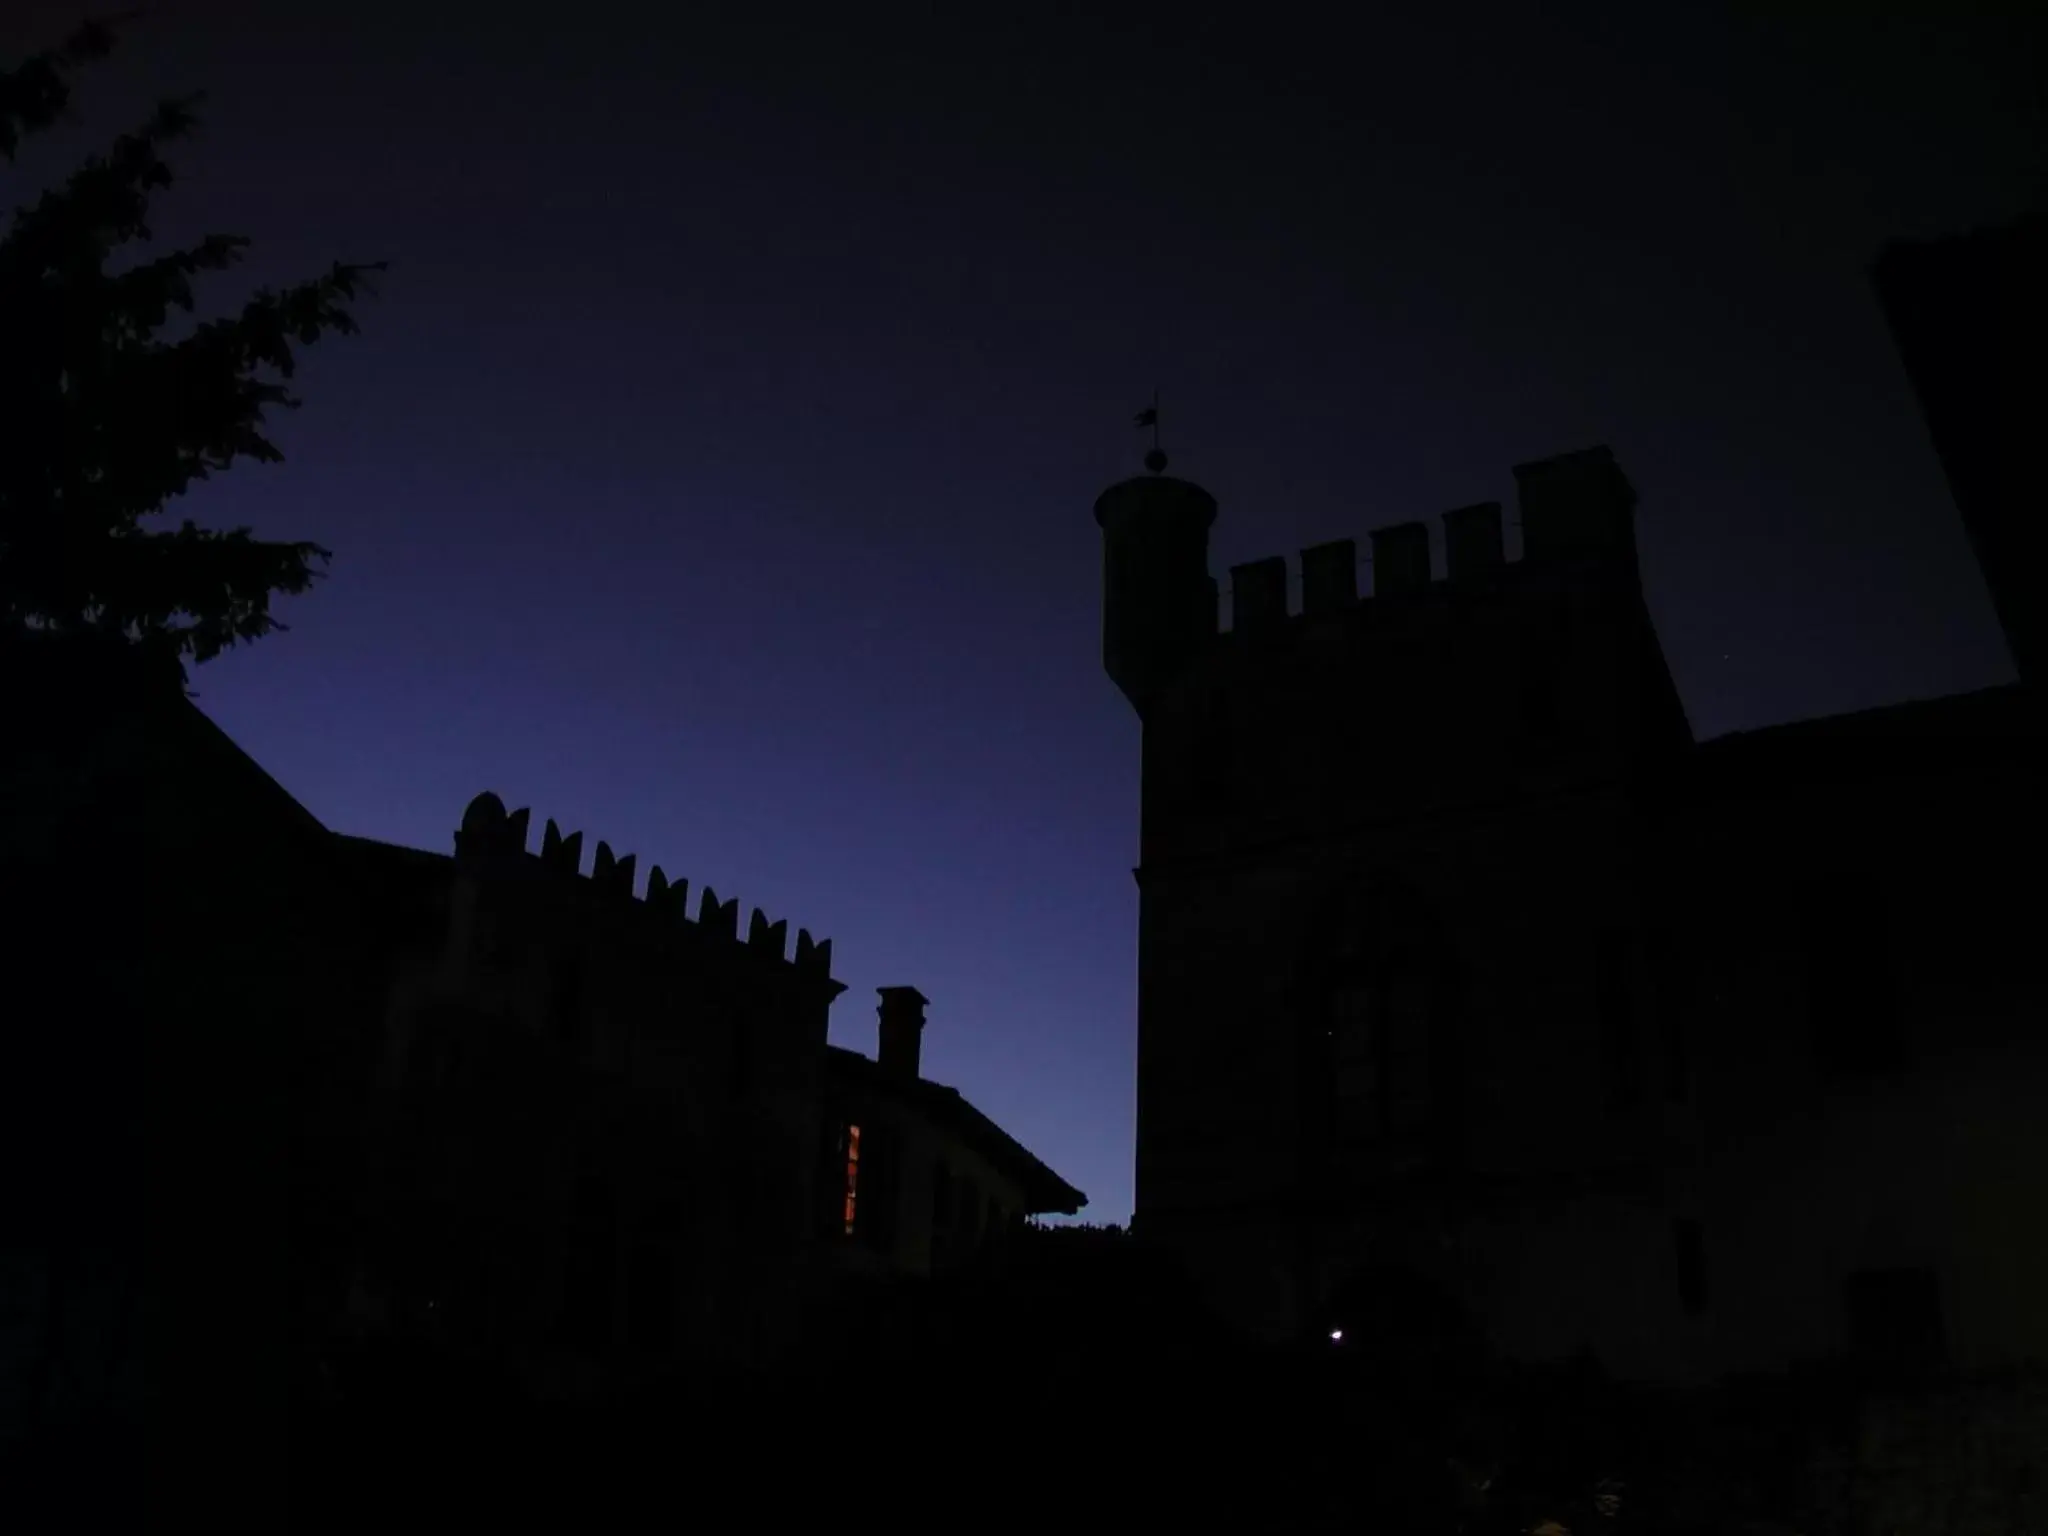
[(714, 472)]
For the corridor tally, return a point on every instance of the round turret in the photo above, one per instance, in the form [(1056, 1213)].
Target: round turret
[(1159, 601)]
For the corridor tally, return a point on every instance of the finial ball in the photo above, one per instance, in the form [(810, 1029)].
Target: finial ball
[(1156, 462)]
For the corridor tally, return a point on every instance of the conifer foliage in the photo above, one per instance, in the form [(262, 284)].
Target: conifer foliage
[(115, 397)]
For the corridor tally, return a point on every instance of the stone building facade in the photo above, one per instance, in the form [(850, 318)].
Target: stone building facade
[(607, 1140), (1460, 960), (595, 1120), (287, 1089), (181, 1064), (917, 1181)]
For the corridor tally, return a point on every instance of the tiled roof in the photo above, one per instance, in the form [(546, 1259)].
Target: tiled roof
[(947, 1108)]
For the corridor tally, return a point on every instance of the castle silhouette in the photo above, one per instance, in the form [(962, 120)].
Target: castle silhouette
[(1464, 968), (1465, 973)]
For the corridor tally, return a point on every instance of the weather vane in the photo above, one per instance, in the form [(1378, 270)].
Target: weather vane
[(1149, 417)]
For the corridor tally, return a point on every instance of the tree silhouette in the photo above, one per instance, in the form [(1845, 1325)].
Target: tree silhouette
[(115, 398)]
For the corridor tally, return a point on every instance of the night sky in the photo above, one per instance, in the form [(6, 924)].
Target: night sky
[(714, 472)]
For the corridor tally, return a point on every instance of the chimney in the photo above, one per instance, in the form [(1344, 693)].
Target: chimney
[(902, 1016)]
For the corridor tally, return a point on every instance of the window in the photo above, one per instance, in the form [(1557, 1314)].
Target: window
[(1379, 1043), (849, 1162), (1692, 1266), (1894, 1318)]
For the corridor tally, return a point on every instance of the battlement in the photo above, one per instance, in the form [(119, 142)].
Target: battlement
[(1577, 513), (491, 837)]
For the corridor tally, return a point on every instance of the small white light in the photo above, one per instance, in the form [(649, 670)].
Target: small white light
[(1336, 1335)]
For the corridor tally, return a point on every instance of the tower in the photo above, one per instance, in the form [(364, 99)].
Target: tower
[(1389, 813), (1159, 601)]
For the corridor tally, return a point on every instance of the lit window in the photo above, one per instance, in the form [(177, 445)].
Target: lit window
[(852, 1174)]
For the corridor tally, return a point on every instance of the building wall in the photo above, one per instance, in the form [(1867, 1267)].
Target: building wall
[(908, 1238), (1796, 1177), (611, 1113), (1801, 1168), (1636, 1145), (1816, 1164), (196, 965), (1452, 768)]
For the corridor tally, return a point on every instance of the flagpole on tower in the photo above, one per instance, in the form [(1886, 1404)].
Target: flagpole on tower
[(1149, 417)]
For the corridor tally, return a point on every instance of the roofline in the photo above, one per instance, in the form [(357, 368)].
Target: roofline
[(1066, 1199), (379, 845), (2009, 695)]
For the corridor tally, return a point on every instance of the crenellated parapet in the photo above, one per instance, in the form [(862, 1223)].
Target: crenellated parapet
[(563, 855), (664, 895), (721, 920), (1576, 517), (612, 877), (493, 840)]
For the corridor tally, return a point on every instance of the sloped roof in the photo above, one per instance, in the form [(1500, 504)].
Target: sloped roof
[(404, 882), (1965, 733), (84, 705), (1045, 1192)]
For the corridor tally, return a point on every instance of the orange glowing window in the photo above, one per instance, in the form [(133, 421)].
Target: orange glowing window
[(852, 1174)]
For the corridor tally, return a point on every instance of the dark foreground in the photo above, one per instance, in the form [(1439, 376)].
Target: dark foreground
[(1011, 1403)]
